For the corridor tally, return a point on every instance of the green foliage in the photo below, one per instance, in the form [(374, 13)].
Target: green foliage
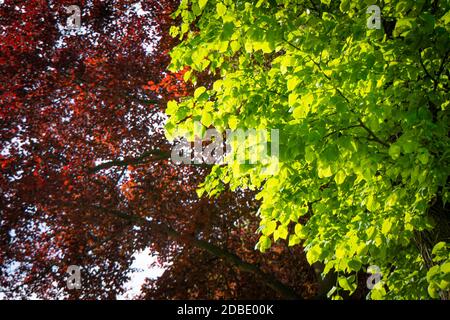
[(363, 116), (438, 276)]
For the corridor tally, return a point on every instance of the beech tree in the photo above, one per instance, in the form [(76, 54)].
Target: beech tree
[(362, 109), (86, 176)]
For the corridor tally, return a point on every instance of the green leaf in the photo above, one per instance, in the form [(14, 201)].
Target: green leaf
[(206, 119), (386, 227), (235, 46), (282, 232), (432, 272), (403, 26), (378, 293), (325, 172), (292, 83), (313, 254), (264, 243), (202, 3), (432, 291), (292, 99), (345, 5), (340, 252), (445, 268), (394, 151), (269, 228), (409, 146), (227, 31), (423, 156), (339, 177), (199, 91), (233, 122), (298, 229), (440, 249), (221, 9), (372, 204), (310, 155), (354, 265), (293, 240), (347, 283), (446, 18), (300, 112), (172, 107)]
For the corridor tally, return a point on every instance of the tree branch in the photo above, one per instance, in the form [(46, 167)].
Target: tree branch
[(157, 155), (441, 69), (375, 138), (232, 258), (371, 133)]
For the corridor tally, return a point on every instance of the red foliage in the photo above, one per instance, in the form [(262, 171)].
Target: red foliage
[(85, 176)]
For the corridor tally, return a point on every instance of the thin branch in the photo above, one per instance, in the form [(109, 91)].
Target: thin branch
[(425, 69), (371, 133), (342, 129), (375, 138), (144, 158), (441, 69)]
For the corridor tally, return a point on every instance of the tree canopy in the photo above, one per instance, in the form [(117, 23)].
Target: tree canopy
[(351, 200), (86, 177), (363, 116)]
